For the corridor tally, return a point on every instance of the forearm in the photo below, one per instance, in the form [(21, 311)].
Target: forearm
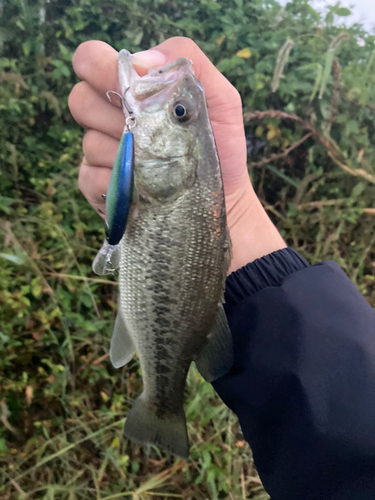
[(303, 381)]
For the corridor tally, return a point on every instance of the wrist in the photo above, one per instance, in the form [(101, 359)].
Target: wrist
[(252, 232)]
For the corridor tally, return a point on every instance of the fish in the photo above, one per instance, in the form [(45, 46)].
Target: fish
[(174, 254)]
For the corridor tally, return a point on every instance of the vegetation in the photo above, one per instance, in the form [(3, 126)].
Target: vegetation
[(308, 89)]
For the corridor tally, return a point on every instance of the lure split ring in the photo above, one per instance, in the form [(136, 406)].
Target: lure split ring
[(130, 122)]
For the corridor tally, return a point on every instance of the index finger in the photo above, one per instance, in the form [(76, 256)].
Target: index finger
[(96, 62)]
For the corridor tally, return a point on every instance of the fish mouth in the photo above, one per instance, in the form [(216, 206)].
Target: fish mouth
[(160, 161), (141, 88), (149, 157)]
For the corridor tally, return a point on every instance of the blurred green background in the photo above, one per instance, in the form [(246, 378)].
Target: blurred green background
[(308, 90)]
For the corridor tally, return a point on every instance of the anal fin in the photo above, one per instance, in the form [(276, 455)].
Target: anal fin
[(122, 346), (216, 357)]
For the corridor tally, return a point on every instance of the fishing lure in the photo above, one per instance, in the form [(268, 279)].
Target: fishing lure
[(120, 190), (118, 201)]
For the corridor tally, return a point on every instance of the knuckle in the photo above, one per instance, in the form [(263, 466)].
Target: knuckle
[(82, 179), (184, 44), (88, 143), (235, 97), (80, 55), (188, 42), (78, 100)]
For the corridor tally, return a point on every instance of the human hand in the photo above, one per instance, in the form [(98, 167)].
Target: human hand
[(95, 63)]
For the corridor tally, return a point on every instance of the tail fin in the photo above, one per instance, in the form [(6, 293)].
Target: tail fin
[(143, 426)]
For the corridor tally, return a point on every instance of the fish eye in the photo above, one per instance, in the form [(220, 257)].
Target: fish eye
[(182, 111)]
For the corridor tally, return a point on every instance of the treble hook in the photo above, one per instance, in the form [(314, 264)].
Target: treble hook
[(124, 102), (130, 120)]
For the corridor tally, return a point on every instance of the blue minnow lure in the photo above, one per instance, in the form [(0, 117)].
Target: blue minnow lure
[(118, 202), (120, 190)]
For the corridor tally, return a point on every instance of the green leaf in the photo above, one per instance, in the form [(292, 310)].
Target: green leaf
[(66, 54), (65, 71), (26, 48), (327, 71), (5, 202), (358, 190), (16, 259), (4, 338), (343, 12), (319, 73), (370, 61), (3, 446), (135, 465), (351, 127), (283, 176)]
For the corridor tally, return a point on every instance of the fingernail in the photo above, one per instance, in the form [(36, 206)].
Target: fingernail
[(148, 59)]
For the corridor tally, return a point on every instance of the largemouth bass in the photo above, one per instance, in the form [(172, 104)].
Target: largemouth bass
[(175, 252)]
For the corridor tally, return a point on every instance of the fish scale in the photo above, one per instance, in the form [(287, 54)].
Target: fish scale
[(171, 266)]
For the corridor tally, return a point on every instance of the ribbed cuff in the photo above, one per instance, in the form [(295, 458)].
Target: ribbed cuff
[(270, 270)]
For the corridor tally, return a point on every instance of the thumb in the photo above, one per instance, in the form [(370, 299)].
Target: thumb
[(148, 59)]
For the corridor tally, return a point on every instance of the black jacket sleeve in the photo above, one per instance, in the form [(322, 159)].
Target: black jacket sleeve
[(303, 380)]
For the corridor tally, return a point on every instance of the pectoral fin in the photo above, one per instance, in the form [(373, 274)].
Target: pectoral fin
[(216, 357), (122, 346)]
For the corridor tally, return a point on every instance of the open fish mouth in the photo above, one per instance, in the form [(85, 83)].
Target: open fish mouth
[(152, 83), (162, 160)]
